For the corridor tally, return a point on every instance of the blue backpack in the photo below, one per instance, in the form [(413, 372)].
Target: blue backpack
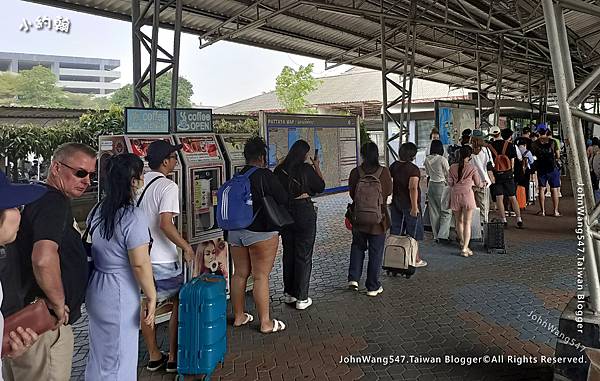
[(234, 202)]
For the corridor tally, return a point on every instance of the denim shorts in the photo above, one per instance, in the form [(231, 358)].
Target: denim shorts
[(552, 178), (245, 238), (168, 279)]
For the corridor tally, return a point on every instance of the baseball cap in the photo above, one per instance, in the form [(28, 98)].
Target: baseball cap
[(159, 150), (466, 132), (477, 134), (494, 130), (15, 195), (542, 127)]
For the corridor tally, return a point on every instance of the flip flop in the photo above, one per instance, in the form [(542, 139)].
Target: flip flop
[(249, 319), (557, 214), (278, 326)]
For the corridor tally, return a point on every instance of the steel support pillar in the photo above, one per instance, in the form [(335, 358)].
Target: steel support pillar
[(499, 82), (580, 175), (137, 60), (146, 97), (385, 118)]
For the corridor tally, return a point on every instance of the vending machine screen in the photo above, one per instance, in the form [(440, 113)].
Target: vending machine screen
[(205, 183)]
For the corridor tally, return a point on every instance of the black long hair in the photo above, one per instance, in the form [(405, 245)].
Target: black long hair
[(120, 170), (296, 156), (465, 152), (436, 148), (370, 154)]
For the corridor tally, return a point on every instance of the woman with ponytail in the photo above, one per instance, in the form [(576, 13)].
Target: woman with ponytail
[(461, 179), (120, 238)]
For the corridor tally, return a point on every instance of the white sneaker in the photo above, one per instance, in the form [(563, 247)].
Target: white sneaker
[(353, 285), (376, 292), (421, 263), (289, 299), (303, 304)]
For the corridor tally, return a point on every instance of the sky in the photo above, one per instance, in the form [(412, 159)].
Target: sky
[(221, 74)]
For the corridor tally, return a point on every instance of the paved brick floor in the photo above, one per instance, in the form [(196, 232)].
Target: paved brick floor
[(456, 306)]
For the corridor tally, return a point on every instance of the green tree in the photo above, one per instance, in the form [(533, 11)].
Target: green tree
[(37, 87), (8, 88), (292, 87), (124, 96)]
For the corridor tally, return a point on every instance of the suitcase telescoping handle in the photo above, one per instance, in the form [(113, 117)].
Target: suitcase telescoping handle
[(187, 271), (402, 225)]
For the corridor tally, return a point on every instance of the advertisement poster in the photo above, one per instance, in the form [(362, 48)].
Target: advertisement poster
[(212, 257), (139, 146), (234, 145), (193, 120), (198, 149)]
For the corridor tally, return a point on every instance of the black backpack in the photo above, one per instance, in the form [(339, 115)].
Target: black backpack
[(546, 159)]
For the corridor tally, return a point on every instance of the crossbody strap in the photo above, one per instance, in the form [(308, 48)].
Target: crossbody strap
[(145, 189), (89, 230)]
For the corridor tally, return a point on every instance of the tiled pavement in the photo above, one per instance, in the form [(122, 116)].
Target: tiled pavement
[(456, 306)]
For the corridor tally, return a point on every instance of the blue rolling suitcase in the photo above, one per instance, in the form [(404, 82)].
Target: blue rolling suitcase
[(202, 328)]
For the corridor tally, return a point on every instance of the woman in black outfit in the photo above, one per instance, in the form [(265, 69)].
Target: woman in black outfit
[(253, 249), (301, 181)]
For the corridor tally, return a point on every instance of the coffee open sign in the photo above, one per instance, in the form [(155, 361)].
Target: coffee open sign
[(193, 120)]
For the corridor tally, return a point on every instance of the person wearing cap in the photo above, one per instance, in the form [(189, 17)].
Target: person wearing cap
[(11, 198), (504, 185), (54, 263), (160, 202), (547, 154)]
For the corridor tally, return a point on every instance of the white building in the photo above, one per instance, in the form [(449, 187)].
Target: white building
[(75, 74)]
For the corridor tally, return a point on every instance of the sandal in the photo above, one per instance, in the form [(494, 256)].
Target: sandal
[(557, 214), (278, 326), (464, 253), (541, 213), (469, 252), (249, 319)]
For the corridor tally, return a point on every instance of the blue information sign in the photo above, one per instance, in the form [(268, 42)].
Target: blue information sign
[(146, 121)]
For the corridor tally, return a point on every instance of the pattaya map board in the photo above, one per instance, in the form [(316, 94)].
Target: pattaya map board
[(336, 138)]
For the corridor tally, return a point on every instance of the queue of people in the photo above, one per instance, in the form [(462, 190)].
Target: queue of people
[(136, 214)]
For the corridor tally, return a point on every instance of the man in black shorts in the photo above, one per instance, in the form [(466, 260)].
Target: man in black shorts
[(504, 154)]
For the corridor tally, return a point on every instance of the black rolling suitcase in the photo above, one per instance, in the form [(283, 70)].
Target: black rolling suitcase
[(494, 236)]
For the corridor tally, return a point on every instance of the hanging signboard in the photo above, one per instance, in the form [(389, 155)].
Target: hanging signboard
[(146, 121), (192, 120)]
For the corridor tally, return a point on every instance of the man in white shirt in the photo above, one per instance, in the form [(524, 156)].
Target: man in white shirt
[(160, 201)]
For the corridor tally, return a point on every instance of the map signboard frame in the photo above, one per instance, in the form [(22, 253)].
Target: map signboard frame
[(336, 137)]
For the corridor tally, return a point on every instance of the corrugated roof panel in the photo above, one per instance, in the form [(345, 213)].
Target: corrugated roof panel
[(308, 29)]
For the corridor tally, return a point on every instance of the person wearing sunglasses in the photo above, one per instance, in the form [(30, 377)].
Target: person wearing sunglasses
[(12, 198), (54, 263)]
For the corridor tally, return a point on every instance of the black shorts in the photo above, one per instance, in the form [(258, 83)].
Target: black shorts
[(505, 188)]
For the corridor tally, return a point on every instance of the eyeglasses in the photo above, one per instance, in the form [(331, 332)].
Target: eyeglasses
[(81, 173)]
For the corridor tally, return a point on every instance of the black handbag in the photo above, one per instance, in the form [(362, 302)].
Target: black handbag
[(277, 214)]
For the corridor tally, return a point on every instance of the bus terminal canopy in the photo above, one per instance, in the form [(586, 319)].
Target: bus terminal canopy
[(446, 41)]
